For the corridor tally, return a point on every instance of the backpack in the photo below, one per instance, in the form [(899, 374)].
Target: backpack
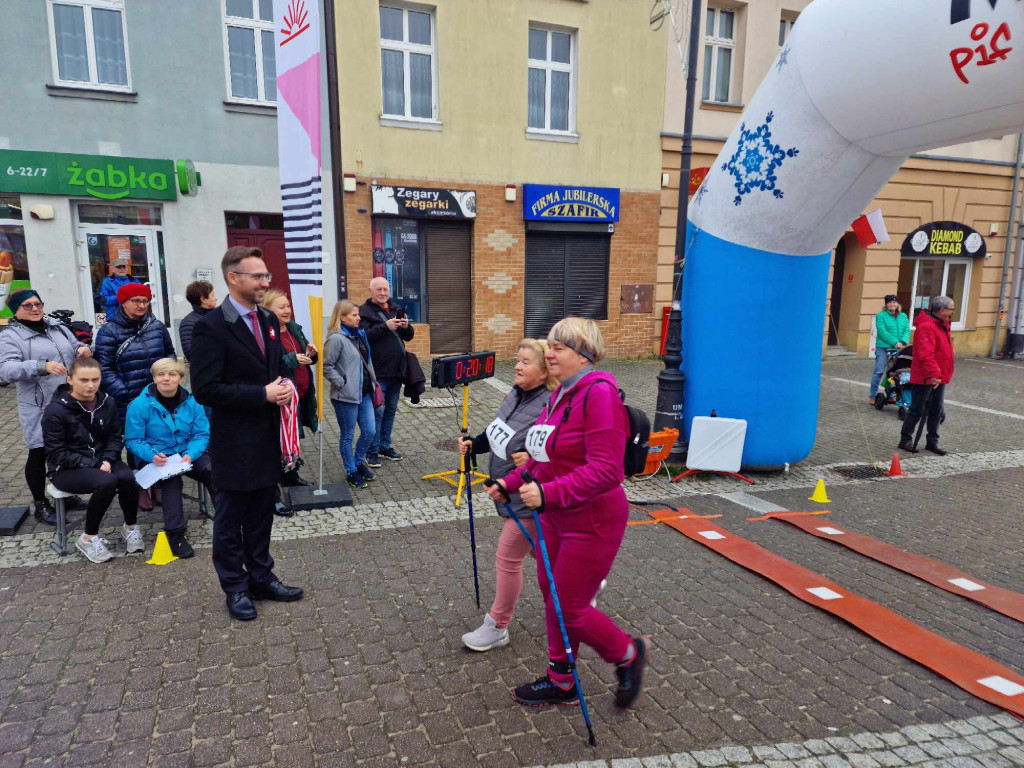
[(634, 460)]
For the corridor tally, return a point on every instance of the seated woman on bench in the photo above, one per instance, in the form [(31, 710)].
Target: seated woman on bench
[(82, 437), (166, 420)]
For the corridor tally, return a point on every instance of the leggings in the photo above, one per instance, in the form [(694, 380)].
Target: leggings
[(103, 486), (581, 554), (508, 569), (35, 473)]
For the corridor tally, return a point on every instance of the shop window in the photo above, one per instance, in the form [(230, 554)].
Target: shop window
[(719, 52), (13, 256), (89, 48), (408, 63), (921, 280), (398, 256), (551, 98), (566, 275), (249, 48), (143, 215)]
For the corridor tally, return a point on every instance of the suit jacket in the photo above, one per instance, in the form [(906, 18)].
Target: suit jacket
[(229, 375)]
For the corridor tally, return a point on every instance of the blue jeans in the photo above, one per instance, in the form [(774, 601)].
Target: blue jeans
[(881, 358), (385, 415), (349, 414)]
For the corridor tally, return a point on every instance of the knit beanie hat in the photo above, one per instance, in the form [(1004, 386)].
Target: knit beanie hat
[(133, 290), (18, 298), (891, 297)]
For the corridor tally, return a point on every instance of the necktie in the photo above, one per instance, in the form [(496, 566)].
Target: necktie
[(257, 332)]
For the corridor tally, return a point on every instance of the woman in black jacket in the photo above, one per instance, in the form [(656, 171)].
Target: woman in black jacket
[(82, 436)]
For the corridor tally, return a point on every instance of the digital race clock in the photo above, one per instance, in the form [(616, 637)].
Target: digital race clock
[(452, 370)]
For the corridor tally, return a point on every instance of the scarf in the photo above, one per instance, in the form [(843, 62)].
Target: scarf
[(291, 453)]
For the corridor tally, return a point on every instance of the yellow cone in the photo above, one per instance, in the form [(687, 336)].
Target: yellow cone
[(162, 551), (819, 494)]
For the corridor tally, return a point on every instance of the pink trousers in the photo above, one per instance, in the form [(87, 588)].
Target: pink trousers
[(508, 568), (582, 548)]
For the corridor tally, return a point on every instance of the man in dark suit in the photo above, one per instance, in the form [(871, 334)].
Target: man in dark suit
[(236, 359)]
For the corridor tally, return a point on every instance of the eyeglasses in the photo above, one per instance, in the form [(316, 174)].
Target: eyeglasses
[(258, 275), (30, 305), (140, 302)]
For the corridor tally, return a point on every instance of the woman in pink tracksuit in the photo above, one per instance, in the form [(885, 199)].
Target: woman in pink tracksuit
[(576, 450)]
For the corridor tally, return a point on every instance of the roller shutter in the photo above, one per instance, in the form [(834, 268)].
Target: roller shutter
[(565, 275), (449, 288)]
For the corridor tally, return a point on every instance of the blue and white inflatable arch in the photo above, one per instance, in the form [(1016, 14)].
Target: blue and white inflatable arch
[(859, 87)]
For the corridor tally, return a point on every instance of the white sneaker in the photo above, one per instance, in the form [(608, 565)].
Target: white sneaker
[(600, 589), (95, 548), (486, 636), (132, 540)]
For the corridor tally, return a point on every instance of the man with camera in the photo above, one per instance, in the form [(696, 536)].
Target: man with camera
[(387, 329)]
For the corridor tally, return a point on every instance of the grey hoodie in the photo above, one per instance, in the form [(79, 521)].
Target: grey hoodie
[(24, 354)]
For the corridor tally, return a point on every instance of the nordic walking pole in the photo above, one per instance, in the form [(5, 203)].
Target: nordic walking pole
[(924, 417), (540, 545), (472, 527)]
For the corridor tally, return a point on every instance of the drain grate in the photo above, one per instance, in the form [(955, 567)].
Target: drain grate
[(860, 472)]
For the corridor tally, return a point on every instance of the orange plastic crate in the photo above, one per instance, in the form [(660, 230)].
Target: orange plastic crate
[(660, 445)]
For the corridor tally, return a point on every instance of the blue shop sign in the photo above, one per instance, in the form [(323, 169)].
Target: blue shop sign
[(546, 202)]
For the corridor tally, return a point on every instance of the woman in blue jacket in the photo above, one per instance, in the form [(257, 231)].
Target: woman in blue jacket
[(892, 331), (166, 420)]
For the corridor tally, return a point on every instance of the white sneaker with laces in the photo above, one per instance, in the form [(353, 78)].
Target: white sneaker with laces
[(486, 636), (600, 589), (95, 549), (132, 539)]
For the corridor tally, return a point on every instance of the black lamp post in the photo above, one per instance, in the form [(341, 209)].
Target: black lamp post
[(669, 410)]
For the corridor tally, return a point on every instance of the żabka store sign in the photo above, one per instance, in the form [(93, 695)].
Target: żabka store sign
[(102, 177)]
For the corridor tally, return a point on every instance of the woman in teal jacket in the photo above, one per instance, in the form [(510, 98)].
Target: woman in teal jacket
[(892, 331), (166, 420)]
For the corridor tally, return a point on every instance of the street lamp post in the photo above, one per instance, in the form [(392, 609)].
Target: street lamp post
[(671, 379)]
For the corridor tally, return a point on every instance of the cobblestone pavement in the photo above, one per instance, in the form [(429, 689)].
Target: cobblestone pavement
[(125, 664)]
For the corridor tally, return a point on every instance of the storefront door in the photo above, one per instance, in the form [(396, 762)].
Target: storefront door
[(99, 245)]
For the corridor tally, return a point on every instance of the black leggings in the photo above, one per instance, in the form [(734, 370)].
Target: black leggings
[(35, 473), (103, 486)]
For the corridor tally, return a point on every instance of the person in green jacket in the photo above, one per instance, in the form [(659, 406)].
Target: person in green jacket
[(892, 331)]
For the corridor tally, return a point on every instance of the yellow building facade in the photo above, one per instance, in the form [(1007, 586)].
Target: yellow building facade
[(969, 184), (493, 103)]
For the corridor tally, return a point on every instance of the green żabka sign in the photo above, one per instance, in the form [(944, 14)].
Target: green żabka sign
[(104, 178)]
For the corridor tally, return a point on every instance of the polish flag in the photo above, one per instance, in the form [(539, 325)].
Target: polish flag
[(870, 229)]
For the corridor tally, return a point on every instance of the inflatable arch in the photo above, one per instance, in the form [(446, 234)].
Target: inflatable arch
[(859, 87)]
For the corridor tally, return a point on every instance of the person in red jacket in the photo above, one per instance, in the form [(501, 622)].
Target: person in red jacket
[(930, 372), (576, 453)]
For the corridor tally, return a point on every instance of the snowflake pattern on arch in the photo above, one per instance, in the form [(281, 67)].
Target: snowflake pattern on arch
[(783, 59), (698, 198), (756, 160)]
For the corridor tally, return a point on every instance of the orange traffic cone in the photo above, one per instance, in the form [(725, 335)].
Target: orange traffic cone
[(895, 470)]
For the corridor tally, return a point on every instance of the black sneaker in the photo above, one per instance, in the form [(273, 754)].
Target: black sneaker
[(631, 676), (372, 460), (368, 474), (356, 480), (179, 543), (543, 692), (392, 454)]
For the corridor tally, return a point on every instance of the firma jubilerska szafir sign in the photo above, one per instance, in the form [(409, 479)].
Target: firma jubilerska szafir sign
[(546, 202), (945, 238), (98, 176)]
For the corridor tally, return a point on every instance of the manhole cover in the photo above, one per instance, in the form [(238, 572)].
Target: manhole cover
[(860, 472)]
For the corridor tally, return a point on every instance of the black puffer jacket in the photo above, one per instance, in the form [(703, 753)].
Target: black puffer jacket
[(126, 348), (76, 438), (387, 347), (188, 322)]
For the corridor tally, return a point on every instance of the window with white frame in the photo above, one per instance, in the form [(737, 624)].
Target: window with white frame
[(719, 50), (89, 44), (408, 62), (785, 30), (249, 47), (924, 279), (551, 98)]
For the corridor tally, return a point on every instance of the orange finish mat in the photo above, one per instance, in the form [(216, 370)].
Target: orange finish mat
[(1004, 601), (975, 673)]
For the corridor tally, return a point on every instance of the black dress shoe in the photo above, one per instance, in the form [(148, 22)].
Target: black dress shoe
[(240, 606), (283, 510), (277, 592), (934, 448), (292, 479), (907, 446)]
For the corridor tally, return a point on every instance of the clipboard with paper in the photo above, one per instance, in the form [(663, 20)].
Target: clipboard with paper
[(151, 473)]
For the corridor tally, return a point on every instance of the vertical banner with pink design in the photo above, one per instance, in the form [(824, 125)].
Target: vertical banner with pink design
[(297, 53)]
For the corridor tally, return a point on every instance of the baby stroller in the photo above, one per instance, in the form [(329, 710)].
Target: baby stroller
[(896, 380)]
